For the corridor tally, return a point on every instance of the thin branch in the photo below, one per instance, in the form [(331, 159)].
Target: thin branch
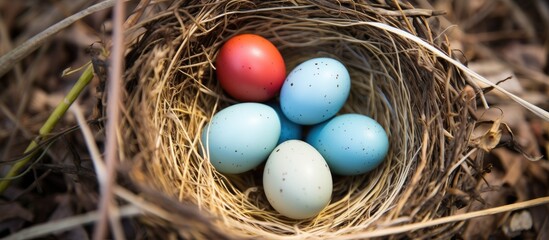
[(16, 55), (449, 219), (68, 223), (113, 113), (100, 169)]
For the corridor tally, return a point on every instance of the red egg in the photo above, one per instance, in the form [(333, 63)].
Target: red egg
[(250, 68)]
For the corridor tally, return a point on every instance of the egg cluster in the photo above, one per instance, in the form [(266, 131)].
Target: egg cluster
[(297, 177)]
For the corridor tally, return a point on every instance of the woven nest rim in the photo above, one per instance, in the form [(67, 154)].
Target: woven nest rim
[(418, 97)]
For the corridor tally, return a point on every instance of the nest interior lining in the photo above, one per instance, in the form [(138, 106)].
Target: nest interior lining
[(172, 94)]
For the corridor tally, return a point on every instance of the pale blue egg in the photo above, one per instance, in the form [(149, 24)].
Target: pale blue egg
[(315, 91), (289, 130), (241, 136), (352, 144)]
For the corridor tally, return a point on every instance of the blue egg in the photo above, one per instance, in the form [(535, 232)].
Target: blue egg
[(288, 129), (315, 91), (240, 137), (351, 144)]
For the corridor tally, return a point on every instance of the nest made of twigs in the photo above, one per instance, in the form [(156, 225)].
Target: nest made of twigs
[(417, 97)]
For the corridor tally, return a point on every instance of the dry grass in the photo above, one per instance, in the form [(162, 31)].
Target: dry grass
[(404, 75), (415, 95)]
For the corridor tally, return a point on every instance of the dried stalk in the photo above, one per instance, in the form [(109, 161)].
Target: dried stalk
[(113, 113), (48, 126)]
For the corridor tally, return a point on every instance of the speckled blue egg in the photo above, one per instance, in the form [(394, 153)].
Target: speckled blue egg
[(288, 129), (315, 91), (297, 181), (241, 136), (352, 144)]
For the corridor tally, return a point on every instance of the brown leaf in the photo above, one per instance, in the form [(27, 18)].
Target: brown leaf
[(514, 165), (491, 138), (493, 195), (515, 132), (63, 210), (496, 71), (532, 56), (539, 173), (11, 210), (13, 216)]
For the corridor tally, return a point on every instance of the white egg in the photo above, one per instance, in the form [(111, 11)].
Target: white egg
[(297, 180)]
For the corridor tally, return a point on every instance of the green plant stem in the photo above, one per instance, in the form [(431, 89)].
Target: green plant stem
[(48, 126)]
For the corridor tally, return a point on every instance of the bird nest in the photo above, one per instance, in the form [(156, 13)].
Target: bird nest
[(422, 100)]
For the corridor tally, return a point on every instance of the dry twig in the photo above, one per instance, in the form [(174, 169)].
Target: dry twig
[(106, 207), (8, 60)]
